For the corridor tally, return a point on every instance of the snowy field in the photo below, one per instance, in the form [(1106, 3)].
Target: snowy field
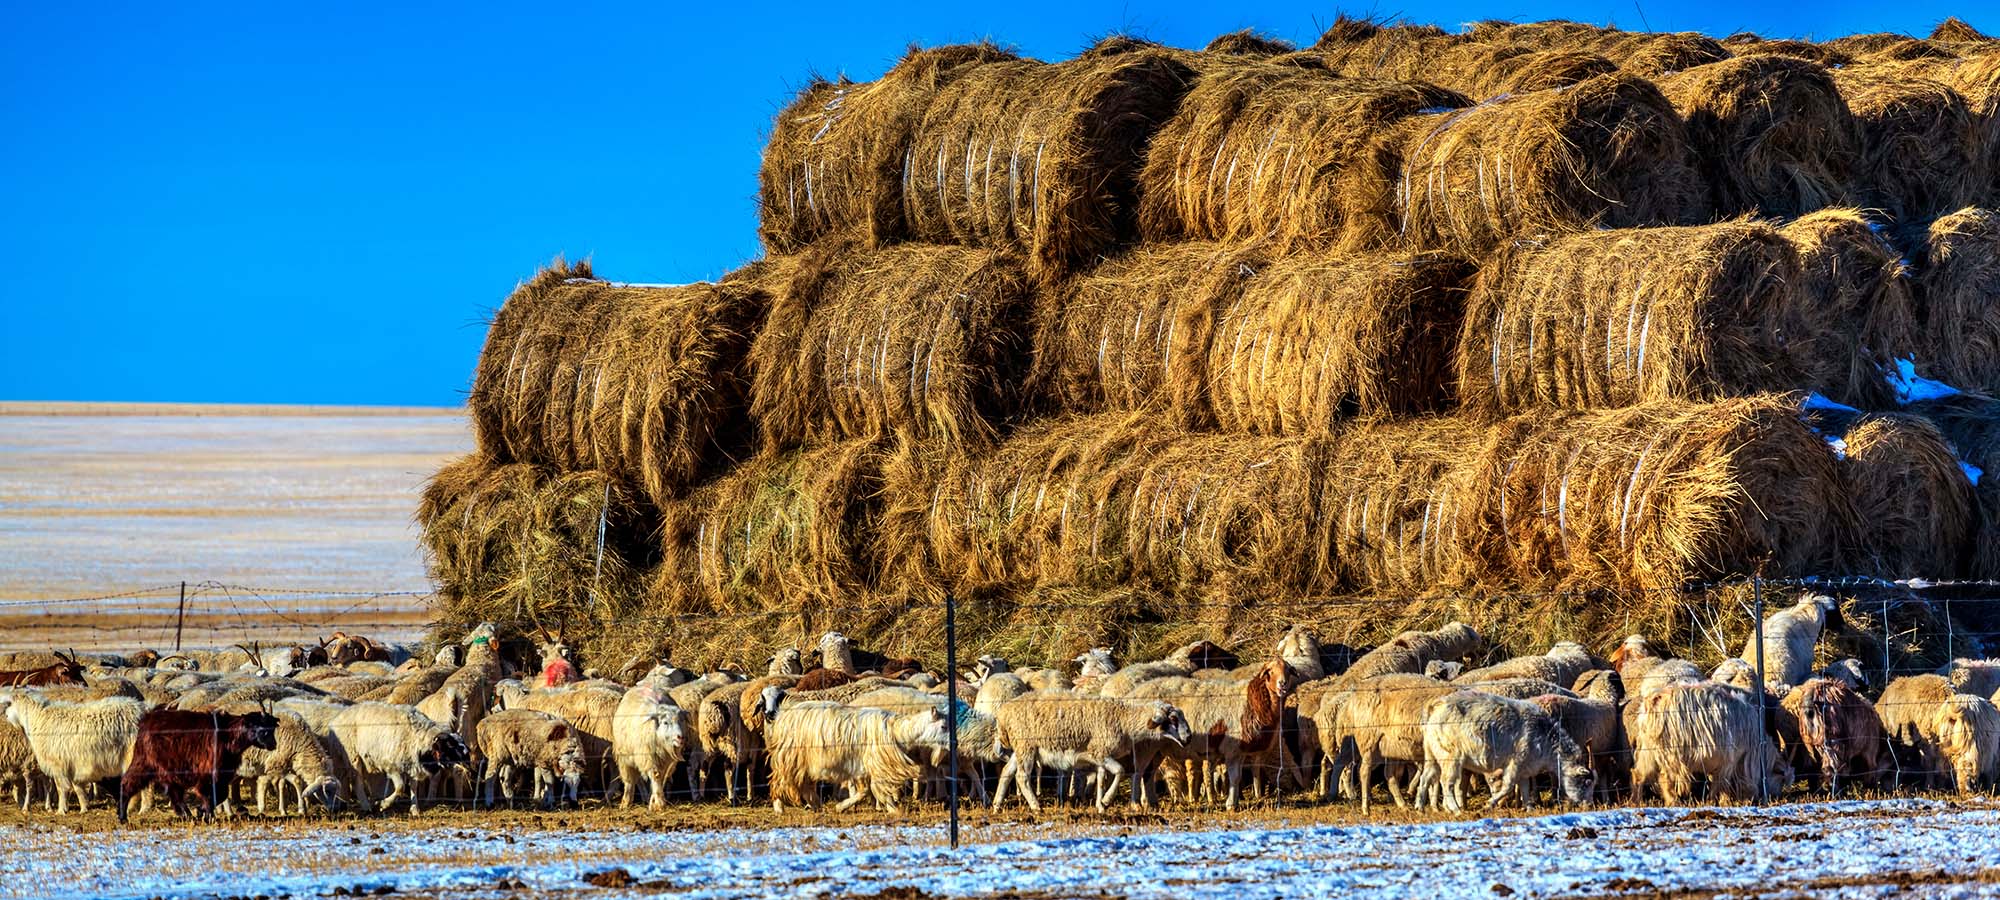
[(1886, 848)]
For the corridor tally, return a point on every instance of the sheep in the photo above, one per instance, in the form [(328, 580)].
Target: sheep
[(1979, 677), (774, 695), (723, 733), (1300, 650), (1444, 670), (1565, 661), (975, 730), (592, 711), (1378, 721), (821, 679), (838, 652), (1643, 670), (344, 649), (17, 762), (537, 741), (1594, 724), (1230, 720), (397, 742), (1838, 731), (1518, 688), (1735, 672), (788, 661), (1685, 730), (1123, 682), (648, 738), (996, 690), (1790, 637), (75, 744), (1045, 679), (300, 759), (870, 752), (1093, 666), (1062, 730), (1516, 740), (182, 750), (1908, 708), (1409, 652), (1848, 670), (1967, 727)]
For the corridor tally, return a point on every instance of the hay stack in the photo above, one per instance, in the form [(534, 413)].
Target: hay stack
[(1752, 45), (517, 544), (1040, 157), (1614, 318), (643, 383), (1133, 333), (1921, 155), (1403, 505), (1608, 152), (1957, 288), (1915, 505), (1972, 426), (1954, 30), (1268, 153), (1857, 290), (918, 339), (834, 165), (1314, 340), (796, 527), (1772, 134), (1110, 500)]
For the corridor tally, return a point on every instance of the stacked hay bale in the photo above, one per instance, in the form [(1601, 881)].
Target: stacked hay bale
[(1154, 344)]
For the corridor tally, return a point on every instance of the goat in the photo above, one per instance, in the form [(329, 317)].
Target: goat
[(182, 750), (65, 670)]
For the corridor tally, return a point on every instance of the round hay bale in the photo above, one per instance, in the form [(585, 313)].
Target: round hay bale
[(922, 340), (1661, 54), (1772, 134), (1133, 333), (1954, 30), (1920, 155), (516, 544), (1915, 504), (1483, 71), (1608, 152), (796, 526), (1792, 49), (1883, 46), (1265, 153), (1976, 77), (1040, 157), (1312, 340), (1614, 318), (1971, 424), (834, 164), (1402, 504), (1857, 289), (1396, 52), (1249, 42), (645, 383), (1957, 285), (1548, 34)]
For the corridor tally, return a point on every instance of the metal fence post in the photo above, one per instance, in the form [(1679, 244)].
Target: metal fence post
[(181, 618), (1763, 696), (951, 715)]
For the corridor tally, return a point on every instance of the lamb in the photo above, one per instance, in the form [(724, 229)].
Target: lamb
[(1838, 730), (1378, 721), (1564, 662), (1067, 729), (300, 759), (75, 744), (1790, 637), (537, 741), (996, 690), (182, 750), (396, 742), (870, 752), (648, 738), (1967, 728), (1508, 741), (1908, 709), (1685, 730), (1230, 720), (1979, 677), (1409, 652), (788, 661)]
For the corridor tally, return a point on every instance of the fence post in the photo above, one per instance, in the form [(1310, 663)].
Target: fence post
[(181, 617), (1763, 696), (951, 714)]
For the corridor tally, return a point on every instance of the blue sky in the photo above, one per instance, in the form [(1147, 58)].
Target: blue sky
[(283, 203)]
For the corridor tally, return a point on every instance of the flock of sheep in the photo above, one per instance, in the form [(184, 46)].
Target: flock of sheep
[(353, 722)]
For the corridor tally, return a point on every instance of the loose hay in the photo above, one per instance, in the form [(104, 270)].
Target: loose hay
[(1040, 157), (1249, 42), (1772, 134), (1614, 318), (1957, 287), (921, 340), (1608, 152), (1858, 292), (1915, 506), (644, 383), (1921, 155), (835, 161), (1266, 153)]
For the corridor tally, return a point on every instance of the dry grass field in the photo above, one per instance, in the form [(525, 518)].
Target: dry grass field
[(106, 499)]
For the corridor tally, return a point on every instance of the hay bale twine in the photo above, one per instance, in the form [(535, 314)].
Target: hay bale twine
[(1772, 134), (1614, 318), (921, 340), (1312, 340), (1266, 153), (834, 164), (516, 544), (1957, 285), (1040, 157), (1857, 288), (644, 383), (1608, 152), (1915, 505), (1920, 150)]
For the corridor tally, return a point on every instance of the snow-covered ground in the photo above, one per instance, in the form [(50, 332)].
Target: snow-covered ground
[(1857, 849)]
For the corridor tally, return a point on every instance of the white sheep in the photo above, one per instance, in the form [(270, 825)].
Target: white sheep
[(398, 743), (17, 762), (537, 741), (1378, 721), (1967, 727), (1065, 730), (649, 736), (996, 690), (1687, 730), (301, 760), (1511, 742), (76, 744), (1299, 648), (1908, 708), (1564, 662), (1979, 677), (1411, 651), (870, 752), (1790, 637)]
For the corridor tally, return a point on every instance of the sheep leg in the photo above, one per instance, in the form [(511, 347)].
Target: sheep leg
[(1233, 770), (629, 780), (1115, 770), (1007, 773), (1392, 778), (1364, 769)]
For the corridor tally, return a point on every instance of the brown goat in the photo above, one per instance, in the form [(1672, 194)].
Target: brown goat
[(1839, 730), (66, 671), (183, 750)]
